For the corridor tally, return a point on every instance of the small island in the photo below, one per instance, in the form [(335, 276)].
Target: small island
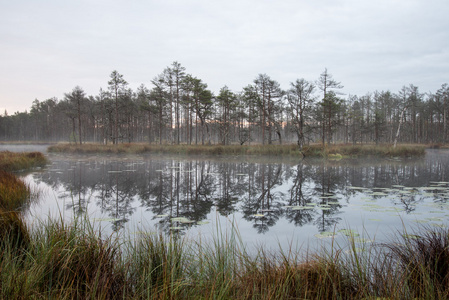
[(316, 151)]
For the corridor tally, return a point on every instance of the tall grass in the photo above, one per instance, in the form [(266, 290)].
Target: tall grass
[(423, 257), (67, 261), (272, 150), (13, 232), (156, 268), (64, 262)]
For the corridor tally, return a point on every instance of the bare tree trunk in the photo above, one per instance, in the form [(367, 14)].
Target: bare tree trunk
[(399, 126)]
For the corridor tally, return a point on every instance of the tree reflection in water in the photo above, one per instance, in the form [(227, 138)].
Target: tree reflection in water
[(180, 192)]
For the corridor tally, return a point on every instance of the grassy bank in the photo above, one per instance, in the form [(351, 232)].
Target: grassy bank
[(14, 193), (368, 150), (16, 161), (57, 260), (333, 151)]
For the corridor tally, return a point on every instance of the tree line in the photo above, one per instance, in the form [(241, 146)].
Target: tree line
[(179, 108)]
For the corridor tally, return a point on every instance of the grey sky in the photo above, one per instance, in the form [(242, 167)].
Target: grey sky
[(49, 47)]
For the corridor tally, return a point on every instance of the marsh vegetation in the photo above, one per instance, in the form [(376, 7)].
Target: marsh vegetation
[(332, 151)]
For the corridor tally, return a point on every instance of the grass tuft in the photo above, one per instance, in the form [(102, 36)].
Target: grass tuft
[(70, 261), (423, 258), (157, 267)]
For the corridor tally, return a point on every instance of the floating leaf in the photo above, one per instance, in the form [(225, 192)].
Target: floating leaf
[(379, 194), (328, 197), (421, 221), (348, 232), (325, 234), (105, 219), (427, 188), (146, 233), (324, 208), (202, 222), (362, 240), (427, 194), (299, 207), (181, 220), (176, 228), (356, 188), (161, 216), (258, 215)]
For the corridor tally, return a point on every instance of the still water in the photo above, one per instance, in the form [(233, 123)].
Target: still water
[(271, 202)]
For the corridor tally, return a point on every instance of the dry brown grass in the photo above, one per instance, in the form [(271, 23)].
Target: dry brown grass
[(13, 161), (13, 192)]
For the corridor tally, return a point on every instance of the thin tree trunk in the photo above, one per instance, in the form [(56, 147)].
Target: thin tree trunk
[(399, 127)]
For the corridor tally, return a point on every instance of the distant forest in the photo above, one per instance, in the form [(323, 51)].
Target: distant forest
[(178, 108)]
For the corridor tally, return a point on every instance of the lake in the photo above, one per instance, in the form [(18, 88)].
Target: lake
[(272, 202)]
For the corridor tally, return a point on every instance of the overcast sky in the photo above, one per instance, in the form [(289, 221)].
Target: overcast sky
[(49, 47)]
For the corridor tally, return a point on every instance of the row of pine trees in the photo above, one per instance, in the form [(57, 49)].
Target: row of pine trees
[(178, 108)]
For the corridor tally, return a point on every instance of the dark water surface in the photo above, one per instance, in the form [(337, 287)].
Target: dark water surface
[(272, 202)]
